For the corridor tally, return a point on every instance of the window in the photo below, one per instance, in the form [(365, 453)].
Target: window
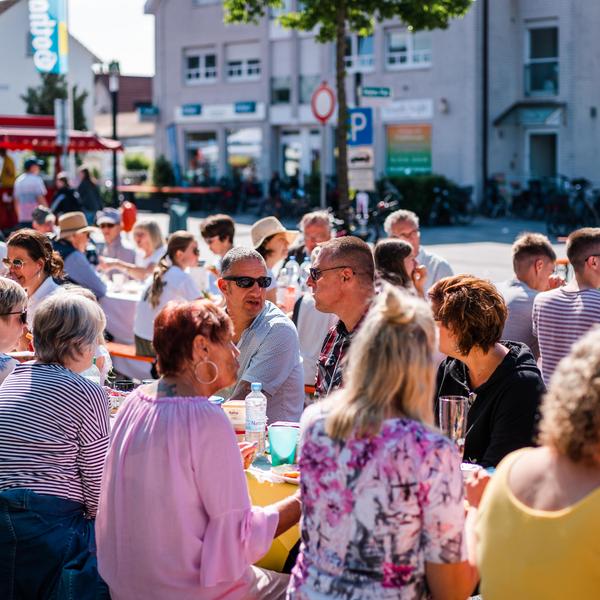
[(205, 2), (200, 67), (404, 49), (239, 66), (359, 53), (307, 85), (542, 67), (280, 90), (286, 7)]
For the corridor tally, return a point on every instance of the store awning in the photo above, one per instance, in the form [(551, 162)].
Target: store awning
[(532, 113), (43, 139)]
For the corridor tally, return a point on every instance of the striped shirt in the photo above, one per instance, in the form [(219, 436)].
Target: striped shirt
[(53, 433), (561, 318)]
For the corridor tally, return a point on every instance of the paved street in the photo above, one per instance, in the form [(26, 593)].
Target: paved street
[(482, 248)]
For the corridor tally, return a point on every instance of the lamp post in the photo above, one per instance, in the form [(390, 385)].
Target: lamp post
[(113, 87)]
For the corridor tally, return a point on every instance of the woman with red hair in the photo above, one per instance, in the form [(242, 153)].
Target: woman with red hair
[(175, 519)]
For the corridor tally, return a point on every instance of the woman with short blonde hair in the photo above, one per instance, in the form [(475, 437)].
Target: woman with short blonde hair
[(381, 490), (13, 318), (541, 506)]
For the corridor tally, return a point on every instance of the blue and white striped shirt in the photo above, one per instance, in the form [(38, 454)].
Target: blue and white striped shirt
[(54, 429)]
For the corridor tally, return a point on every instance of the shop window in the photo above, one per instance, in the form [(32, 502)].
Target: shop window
[(281, 90), (404, 49), (200, 67), (542, 65), (202, 155), (359, 53)]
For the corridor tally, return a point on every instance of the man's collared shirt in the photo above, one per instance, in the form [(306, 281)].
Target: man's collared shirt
[(330, 365)]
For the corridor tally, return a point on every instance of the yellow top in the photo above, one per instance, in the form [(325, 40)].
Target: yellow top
[(529, 554)]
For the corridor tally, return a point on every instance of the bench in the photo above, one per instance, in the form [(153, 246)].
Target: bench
[(126, 351)]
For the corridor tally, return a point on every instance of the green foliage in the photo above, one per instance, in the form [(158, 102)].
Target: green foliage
[(136, 162), (417, 191), (162, 173), (40, 100)]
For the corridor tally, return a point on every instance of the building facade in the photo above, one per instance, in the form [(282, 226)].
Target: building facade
[(235, 99)]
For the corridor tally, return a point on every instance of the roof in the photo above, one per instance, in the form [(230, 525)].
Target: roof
[(6, 4), (133, 91), (531, 112)]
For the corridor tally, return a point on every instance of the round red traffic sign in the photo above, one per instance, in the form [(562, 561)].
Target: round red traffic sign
[(322, 102)]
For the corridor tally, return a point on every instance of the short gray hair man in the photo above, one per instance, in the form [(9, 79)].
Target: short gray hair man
[(237, 255), (404, 224), (65, 325)]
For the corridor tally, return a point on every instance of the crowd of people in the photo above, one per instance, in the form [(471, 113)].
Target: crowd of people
[(381, 333)]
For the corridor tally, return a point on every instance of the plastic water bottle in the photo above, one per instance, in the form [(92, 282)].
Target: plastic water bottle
[(92, 373), (256, 417), (293, 269), (282, 284), (304, 274)]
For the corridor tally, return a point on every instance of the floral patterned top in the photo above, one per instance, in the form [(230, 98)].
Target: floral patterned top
[(375, 510)]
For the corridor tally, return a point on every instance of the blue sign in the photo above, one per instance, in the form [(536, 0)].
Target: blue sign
[(147, 111), (191, 110), (245, 107), (49, 35), (360, 126)]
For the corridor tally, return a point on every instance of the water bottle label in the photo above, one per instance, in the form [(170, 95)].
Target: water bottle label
[(255, 424)]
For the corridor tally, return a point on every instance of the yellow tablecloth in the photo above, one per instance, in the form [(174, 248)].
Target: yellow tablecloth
[(263, 493)]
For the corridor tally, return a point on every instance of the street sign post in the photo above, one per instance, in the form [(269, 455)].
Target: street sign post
[(360, 149), (322, 104), (360, 126)]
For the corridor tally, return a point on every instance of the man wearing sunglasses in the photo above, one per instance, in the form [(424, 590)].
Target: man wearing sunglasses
[(71, 245), (266, 338), (342, 283), (109, 222)]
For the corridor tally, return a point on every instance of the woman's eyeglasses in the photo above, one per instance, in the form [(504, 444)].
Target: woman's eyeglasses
[(16, 263), (248, 282), (22, 318)]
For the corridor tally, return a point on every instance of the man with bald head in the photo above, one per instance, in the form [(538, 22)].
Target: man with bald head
[(342, 282), (266, 338)]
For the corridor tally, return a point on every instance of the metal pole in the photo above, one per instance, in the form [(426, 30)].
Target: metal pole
[(115, 98), (323, 153)]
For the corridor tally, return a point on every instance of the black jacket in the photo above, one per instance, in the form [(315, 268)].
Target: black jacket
[(503, 416), (66, 200)]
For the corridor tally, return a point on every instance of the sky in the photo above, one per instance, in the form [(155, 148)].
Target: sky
[(115, 29)]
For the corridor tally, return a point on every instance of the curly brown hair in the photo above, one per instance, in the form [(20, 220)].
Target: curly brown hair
[(471, 308), (571, 409)]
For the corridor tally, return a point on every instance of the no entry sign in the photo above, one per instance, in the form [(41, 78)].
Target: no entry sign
[(323, 102)]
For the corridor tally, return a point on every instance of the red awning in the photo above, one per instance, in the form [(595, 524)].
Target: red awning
[(43, 139)]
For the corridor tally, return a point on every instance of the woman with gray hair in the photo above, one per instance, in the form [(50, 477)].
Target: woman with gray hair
[(13, 318), (53, 441)]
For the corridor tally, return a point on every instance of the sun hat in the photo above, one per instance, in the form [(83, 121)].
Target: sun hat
[(267, 227), (73, 222), (108, 215)]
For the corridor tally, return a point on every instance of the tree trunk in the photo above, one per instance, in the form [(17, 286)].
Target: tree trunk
[(341, 132)]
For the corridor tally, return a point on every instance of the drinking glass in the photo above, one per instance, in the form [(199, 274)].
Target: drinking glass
[(283, 441), (453, 418)]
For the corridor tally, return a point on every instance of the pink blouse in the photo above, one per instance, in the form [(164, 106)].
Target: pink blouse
[(175, 519)]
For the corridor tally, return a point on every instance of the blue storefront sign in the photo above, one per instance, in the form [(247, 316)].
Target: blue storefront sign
[(49, 35), (245, 107), (191, 110), (360, 126)]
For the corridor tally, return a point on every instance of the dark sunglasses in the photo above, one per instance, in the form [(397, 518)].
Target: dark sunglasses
[(196, 251), (248, 282), (315, 273), (107, 225), (16, 263), (23, 313)]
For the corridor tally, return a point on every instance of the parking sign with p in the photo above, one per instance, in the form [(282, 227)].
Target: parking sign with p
[(360, 126)]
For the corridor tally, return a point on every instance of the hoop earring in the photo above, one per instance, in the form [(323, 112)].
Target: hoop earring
[(206, 362)]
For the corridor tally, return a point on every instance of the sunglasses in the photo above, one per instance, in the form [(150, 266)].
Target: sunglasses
[(23, 317), (107, 225), (317, 273), (196, 251), (248, 282), (16, 263)]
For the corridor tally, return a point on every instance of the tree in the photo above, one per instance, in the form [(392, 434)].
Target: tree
[(40, 100), (163, 175), (334, 19)]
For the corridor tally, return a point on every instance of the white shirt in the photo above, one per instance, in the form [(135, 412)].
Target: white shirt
[(437, 267), (144, 261), (47, 288), (28, 188), (178, 286)]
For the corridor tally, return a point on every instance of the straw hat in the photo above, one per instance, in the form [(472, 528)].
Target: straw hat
[(73, 222), (267, 227)]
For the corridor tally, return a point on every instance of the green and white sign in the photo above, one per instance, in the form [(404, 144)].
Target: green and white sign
[(376, 92)]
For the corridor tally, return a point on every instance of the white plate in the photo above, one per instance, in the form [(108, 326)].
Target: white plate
[(292, 480)]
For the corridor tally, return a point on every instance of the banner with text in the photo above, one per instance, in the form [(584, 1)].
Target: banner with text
[(49, 35), (408, 149)]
